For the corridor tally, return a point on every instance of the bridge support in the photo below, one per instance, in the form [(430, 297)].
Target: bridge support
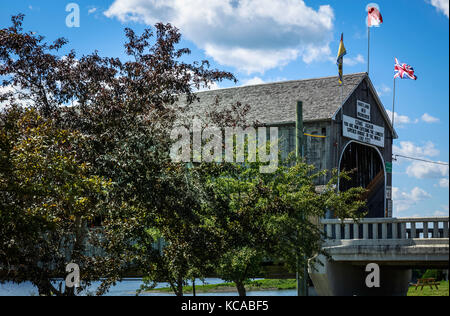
[(396, 244), (346, 279)]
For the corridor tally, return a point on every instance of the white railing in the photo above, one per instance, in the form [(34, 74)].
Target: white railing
[(386, 228)]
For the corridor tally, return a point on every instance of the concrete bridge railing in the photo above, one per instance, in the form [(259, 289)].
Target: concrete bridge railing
[(396, 245), (386, 228)]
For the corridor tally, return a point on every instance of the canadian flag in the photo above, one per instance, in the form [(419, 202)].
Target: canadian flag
[(374, 17)]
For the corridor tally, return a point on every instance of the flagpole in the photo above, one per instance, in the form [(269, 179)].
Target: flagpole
[(368, 50), (393, 105)]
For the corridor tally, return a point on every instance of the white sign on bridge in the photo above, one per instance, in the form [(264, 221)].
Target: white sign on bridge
[(363, 131), (363, 110)]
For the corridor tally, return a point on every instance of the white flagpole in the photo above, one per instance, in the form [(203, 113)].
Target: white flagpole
[(393, 105), (368, 50)]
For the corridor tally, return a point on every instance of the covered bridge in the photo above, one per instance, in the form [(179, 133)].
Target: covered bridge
[(355, 128)]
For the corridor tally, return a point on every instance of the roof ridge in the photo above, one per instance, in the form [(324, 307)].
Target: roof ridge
[(280, 82)]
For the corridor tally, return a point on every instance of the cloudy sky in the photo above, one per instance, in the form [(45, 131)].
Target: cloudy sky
[(273, 40)]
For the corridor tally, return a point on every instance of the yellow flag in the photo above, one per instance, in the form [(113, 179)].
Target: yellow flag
[(340, 59)]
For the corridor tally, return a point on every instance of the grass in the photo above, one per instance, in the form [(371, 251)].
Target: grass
[(256, 285), (442, 291), (289, 284)]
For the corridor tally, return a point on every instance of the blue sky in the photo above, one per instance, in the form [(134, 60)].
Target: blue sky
[(266, 40)]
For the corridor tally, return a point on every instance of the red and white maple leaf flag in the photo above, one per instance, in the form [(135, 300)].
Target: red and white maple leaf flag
[(374, 17)]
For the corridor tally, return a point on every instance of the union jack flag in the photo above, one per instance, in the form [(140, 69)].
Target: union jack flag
[(404, 71)]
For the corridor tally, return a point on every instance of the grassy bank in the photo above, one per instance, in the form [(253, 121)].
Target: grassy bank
[(289, 284), (442, 291), (257, 285)]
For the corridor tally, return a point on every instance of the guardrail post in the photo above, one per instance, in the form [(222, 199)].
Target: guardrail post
[(347, 231), (394, 230), (436, 229), (381, 228), (413, 230), (384, 232), (365, 231), (355, 230), (329, 231), (338, 231), (403, 231)]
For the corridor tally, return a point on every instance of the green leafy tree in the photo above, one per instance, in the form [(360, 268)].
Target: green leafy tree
[(124, 112), (303, 204), (47, 201), (272, 216), (190, 246), (106, 158)]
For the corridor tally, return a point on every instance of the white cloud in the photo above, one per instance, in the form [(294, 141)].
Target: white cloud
[(92, 10), (408, 148), (352, 61), (403, 119), (417, 194), (441, 5), (320, 53), (440, 213), (14, 95), (348, 61), (253, 81), (250, 35), (400, 119), (251, 60), (427, 118), (405, 200), (424, 170), (385, 90), (443, 183), (258, 80)]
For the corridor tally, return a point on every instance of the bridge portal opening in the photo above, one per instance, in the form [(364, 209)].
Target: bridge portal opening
[(368, 172)]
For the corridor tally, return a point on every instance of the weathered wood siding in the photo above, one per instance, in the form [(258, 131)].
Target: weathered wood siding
[(362, 93), (325, 153)]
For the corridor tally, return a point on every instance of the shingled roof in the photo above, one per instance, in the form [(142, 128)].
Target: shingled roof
[(275, 103)]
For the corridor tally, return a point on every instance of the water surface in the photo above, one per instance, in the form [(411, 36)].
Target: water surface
[(128, 287)]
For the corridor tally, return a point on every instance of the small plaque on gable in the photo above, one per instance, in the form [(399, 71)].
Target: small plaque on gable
[(363, 110)]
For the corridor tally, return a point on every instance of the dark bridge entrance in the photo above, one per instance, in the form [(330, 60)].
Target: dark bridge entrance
[(368, 173)]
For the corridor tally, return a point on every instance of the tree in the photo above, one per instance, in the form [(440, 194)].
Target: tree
[(190, 246), (96, 147), (272, 216), (47, 200), (303, 204), (124, 112), (236, 192)]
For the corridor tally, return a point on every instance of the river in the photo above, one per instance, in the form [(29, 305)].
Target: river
[(128, 287)]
